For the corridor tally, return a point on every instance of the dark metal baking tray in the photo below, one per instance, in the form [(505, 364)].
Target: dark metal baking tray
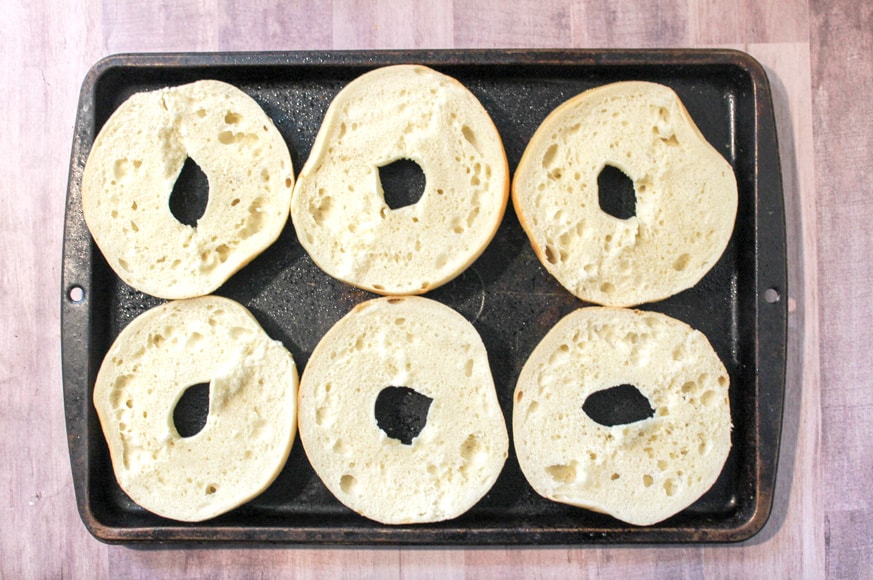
[(740, 305)]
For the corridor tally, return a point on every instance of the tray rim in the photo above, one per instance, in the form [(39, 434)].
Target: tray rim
[(76, 316)]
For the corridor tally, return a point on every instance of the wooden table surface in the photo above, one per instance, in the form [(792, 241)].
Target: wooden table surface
[(818, 56)]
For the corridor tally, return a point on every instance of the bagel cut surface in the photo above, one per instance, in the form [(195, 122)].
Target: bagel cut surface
[(403, 343), (134, 164), (403, 112), (252, 415), (686, 195), (640, 472)]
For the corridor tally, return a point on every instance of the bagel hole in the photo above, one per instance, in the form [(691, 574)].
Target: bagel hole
[(189, 416), (401, 413), (403, 183), (618, 405), (190, 194), (616, 194)]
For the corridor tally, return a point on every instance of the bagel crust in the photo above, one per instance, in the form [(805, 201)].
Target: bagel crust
[(134, 164), (422, 345), (641, 472), (251, 422), (339, 209), (686, 195)]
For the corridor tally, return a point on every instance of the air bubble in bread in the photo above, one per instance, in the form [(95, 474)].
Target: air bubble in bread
[(640, 472), (685, 206), (133, 166), (403, 112), (251, 420), (409, 344)]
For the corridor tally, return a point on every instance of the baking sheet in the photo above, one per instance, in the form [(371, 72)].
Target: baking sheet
[(740, 305)]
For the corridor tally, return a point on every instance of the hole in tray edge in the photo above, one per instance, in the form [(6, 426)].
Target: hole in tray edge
[(76, 294)]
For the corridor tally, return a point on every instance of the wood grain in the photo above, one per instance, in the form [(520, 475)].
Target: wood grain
[(842, 73), (38, 527), (817, 54), (275, 25), (518, 23), (362, 24), (637, 24), (749, 21), (164, 26)]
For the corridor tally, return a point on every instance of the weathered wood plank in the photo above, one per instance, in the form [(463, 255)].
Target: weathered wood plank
[(842, 76)]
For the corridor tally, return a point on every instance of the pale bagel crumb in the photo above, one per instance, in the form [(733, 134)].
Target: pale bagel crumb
[(339, 209), (132, 168), (251, 422), (419, 344), (641, 472), (686, 195)]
